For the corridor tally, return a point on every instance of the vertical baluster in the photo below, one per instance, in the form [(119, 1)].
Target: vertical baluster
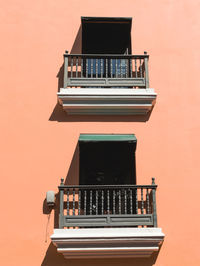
[(67, 201), (136, 67), (113, 201), (73, 201), (96, 60), (106, 67), (120, 63), (81, 67), (131, 68), (85, 201), (101, 67), (86, 67), (102, 202), (142, 202), (116, 74), (111, 68), (76, 66), (72, 62), (140, 68), (131, 201), (126, 67), (90, 202), (136, 201), (147, 199), (125, 201), (79, 202), (97, 201), (120, 209), (108, 201), (92, 63)]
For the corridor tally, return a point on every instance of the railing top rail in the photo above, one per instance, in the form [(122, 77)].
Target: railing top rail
[(108, 55), (106, 186)]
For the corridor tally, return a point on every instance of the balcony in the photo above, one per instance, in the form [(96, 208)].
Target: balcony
[(107, 221), (106, 84)]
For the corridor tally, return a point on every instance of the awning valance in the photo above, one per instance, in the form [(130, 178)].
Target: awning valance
[(108, 137)]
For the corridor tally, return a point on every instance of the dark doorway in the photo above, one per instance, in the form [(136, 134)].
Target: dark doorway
[(106, 35), (106, 163)]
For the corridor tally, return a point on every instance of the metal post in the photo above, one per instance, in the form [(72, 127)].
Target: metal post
[(154, 204)]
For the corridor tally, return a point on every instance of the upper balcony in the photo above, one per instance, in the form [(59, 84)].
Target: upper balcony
[(106, 78)]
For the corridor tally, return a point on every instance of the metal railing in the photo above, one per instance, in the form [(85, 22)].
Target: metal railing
[(107, 205), (102, 70)]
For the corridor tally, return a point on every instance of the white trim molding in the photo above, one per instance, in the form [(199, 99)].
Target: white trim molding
[(107, 242), (106, 101)]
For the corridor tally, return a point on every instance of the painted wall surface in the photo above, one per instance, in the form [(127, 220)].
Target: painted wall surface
[(38, 139)]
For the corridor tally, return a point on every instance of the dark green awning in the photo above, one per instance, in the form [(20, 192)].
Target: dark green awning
[(108, 137)]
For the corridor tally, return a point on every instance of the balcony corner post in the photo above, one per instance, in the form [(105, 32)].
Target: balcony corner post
[(146, 59), (61, 215), (65, 69), (154, 204)]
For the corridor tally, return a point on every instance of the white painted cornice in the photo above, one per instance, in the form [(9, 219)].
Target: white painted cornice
[(107, 101), (107, 242)]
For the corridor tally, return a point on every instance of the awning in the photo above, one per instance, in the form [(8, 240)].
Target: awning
[(107, 137), (106, 19)]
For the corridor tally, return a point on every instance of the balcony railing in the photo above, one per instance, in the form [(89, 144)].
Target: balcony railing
[(106, 71), (107, 205)]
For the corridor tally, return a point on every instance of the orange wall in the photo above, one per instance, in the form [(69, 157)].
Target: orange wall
[(36, 151)]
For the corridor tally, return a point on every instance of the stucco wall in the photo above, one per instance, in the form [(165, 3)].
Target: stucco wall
[(38, 142)]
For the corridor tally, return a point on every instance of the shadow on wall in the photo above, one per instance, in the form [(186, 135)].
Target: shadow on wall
[(60, 115), (53, 258), (72, 178)]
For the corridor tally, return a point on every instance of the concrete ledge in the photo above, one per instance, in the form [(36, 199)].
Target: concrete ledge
[(107, 242), (98, 101)]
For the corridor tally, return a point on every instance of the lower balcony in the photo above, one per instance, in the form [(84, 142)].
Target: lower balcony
[(107, 221)]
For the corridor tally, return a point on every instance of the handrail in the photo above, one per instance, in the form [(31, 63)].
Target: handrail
[(106, 186), (108, 55)]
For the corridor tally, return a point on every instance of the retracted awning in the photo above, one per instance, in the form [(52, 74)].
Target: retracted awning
[(107, 137)]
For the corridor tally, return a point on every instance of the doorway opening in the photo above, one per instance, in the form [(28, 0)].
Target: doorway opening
[(107, 162)]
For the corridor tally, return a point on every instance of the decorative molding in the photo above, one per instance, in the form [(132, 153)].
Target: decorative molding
[(107, 242), (107, 101)]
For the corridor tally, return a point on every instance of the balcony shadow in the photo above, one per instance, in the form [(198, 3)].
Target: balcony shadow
[(72, 178), (77, 45), (53, 258), (60, 115)]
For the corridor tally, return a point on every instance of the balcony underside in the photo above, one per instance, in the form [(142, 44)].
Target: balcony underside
[(107, 242), (107, 101)]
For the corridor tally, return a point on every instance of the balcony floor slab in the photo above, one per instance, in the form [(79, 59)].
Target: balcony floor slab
[(107, 242), (107, 101)]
